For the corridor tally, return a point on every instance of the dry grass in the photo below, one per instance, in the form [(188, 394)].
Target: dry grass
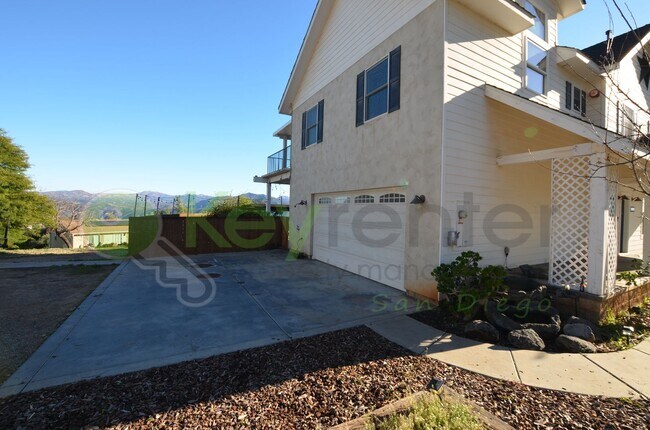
[(34, 302)]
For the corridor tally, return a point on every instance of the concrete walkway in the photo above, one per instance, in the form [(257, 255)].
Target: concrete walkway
[(42, 264), (617, 374), (134, 320)]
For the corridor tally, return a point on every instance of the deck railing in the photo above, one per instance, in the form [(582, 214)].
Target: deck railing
[(281, 160)]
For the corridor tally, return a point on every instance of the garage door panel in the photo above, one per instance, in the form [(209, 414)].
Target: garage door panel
[(371, 239), (365, 239), (378, 271)]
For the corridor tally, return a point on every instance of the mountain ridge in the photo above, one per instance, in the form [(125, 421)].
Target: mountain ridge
[(110, 206)]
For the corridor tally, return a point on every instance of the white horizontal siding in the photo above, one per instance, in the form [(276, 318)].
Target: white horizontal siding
[(477, 131), (354, 28)]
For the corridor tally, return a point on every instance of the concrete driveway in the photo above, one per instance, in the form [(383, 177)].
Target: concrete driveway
[(131, 322)]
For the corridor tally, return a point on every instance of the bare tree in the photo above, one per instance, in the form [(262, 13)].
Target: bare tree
[(69, 218)]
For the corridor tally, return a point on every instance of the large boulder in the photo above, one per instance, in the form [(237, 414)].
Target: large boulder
[(526, 339), (545, 331), (582, 331), (483, 331), (594, 327), (574, 344), (499, 319)]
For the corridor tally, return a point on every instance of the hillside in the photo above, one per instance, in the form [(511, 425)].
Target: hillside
[(121, 206)]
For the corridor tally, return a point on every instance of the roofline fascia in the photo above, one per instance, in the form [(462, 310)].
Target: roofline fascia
[(637, 47), (323, 7)]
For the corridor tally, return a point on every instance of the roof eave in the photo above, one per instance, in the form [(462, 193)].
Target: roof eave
[(575, 59), (321, 13), (570, 7)]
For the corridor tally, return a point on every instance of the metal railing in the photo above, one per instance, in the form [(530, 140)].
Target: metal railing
[(279, 161)]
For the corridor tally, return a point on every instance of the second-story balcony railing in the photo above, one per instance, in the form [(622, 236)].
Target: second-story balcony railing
[(281, 160)]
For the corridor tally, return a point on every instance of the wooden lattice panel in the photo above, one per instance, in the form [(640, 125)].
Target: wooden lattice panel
[(570, 220)]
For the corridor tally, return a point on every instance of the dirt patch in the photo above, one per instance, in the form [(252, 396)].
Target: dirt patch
[(53, 254), (34, 302), (307, 383)]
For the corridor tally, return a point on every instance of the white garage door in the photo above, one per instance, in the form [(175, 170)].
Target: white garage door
[(363, 232)]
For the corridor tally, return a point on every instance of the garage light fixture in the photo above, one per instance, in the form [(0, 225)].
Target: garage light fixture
[(418, 200), (302, 203)]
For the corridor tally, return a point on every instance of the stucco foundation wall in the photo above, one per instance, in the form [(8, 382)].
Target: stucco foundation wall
[(402, 148)]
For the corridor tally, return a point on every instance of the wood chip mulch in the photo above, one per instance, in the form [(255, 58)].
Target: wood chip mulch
[(308, 383)]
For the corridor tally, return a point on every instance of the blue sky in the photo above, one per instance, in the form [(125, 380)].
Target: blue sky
[(165, 95)]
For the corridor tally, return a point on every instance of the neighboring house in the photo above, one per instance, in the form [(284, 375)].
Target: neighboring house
[(94, 234), (426, 128)]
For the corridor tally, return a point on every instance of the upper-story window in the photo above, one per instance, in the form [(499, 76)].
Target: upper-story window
[(539, 29), (536, 67), (575, 99), (312, 125), (378, 88), (626, 121)]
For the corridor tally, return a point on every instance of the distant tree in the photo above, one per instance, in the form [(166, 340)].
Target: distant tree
[(20, 205), (179, 205), (229, 204), (69, 218)]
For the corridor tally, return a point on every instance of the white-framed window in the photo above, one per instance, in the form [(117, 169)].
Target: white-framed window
[(312, 125), (392, 198), (342, 200), (365, 198), (378, 88), (575, 99), (626, 121), (536, 67), (325, 201), (540, 28)]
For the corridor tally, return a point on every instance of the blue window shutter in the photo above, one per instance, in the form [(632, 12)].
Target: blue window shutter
[(304, 130), (394, 80), (321, 112), (361, 87)]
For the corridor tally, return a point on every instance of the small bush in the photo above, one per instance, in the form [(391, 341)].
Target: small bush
[(223, 207), (464, 277), (431, 412)]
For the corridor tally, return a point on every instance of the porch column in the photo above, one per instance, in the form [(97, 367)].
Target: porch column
[(598, 229), (268, 197), (583, 224), (646, 228)]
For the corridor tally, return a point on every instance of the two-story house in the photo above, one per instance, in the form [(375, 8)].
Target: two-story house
[(424, 128)]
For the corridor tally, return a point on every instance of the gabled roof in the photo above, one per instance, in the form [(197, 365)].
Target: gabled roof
[(621, 45), (318, 20)]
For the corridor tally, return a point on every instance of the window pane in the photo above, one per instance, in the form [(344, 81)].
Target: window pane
[(576, 99), (377, 104), (312, 136), (377, 77), (539, 29), (534, 81), (312, 116), (536, 56)]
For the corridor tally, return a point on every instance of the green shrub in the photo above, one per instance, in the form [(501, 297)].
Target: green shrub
[(430, 413), (640, 269), (223, 207), (464, 277)]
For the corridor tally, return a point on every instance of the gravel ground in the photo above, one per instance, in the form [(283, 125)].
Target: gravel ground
[(308, 383)]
